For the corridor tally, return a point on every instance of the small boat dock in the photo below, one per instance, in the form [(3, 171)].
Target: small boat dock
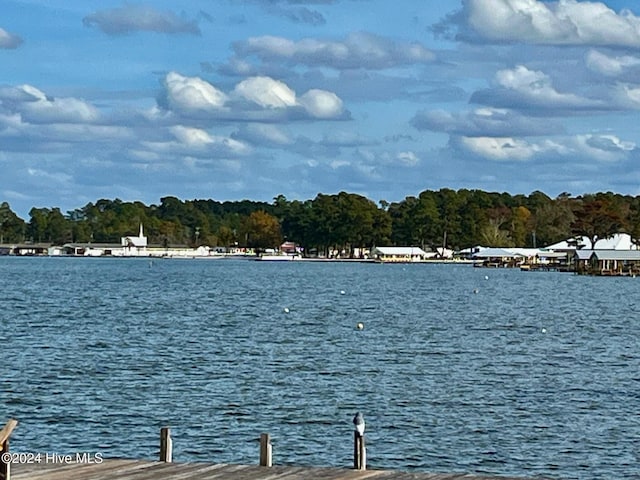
[(85, 466), (118, 469)]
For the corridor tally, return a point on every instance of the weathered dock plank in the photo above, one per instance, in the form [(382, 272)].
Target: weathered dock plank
[(120, 469)]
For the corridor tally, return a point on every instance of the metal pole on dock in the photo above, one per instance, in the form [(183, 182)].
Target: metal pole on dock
[(166, 445), (359, 448), (266, 450)]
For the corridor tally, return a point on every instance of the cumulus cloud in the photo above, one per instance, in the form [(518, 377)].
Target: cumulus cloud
[(9, 40), (266, 92), (197, 143), (139, 18), (321, 104), (500, 148), (191, 94), (521, 87), (564, 22), (606, 148), (35, 106), (199, 139), (489, 122), (610, 66), (358, 50), (258, 98), (270, 93)]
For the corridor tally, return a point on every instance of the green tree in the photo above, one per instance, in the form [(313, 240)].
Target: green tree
[(12, 227)]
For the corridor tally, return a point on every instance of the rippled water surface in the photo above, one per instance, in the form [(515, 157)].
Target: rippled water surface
[(515, 373)]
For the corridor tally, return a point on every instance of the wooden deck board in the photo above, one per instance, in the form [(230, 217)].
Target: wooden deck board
[(120, 469)]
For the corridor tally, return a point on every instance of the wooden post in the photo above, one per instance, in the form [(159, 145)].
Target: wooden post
[(5, 433), (359, 452), (166, 445), (266, 450)]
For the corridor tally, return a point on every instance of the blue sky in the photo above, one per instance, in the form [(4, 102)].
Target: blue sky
[(249, 99)]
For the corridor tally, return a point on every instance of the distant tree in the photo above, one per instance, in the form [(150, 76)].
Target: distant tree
[(495, 232), (262, 230), (520, 223), (597, 217), (12, 227)]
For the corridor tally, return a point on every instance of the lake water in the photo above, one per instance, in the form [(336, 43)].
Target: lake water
[(457, 369)]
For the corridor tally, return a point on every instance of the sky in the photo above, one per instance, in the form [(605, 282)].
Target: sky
[(251, 99)]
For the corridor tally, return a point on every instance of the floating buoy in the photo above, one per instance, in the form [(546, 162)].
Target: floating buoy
[(286, 310), (342, 292), (475, 290), (486, 277), (360, 326), (544, 330)]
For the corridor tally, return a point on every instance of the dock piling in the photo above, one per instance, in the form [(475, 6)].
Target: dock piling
[(266, 450), (359, 449), (166, 445), (359, 452)]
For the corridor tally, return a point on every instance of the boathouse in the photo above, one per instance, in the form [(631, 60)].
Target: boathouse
[(497, 257), (608, 262), (400, 254)]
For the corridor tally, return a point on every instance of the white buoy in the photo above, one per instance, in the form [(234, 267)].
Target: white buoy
[(544, 330), (475, 290), (286, 310), (486, 277), (360, 326), (342, 292)]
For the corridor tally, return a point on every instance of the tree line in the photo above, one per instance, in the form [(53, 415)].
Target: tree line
[(343, 221)]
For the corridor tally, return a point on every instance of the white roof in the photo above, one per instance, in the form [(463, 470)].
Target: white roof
[(403, 251), (619, 241), (497, 253), (633, 255)]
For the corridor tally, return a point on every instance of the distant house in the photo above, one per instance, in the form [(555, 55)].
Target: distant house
[(400, 254), (134, 246)]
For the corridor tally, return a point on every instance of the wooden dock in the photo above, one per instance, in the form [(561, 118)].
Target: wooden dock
[(118, 469), (85, 466)]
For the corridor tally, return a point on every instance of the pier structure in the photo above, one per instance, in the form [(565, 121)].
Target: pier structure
[(42, 466)]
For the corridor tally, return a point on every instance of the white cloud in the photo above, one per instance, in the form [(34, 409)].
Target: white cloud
[(132, 18), (408, 158), (606, 148), (264, 133), (627, 96), (357, 50), (9, 40), (506, 148), (36, 107), (196, 142), (269, 93), (321, 104), (602, 147), (192, 94), (485, 122), (610, 66), (266, 92), (565, 22), (536, 87), (193, 137)]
